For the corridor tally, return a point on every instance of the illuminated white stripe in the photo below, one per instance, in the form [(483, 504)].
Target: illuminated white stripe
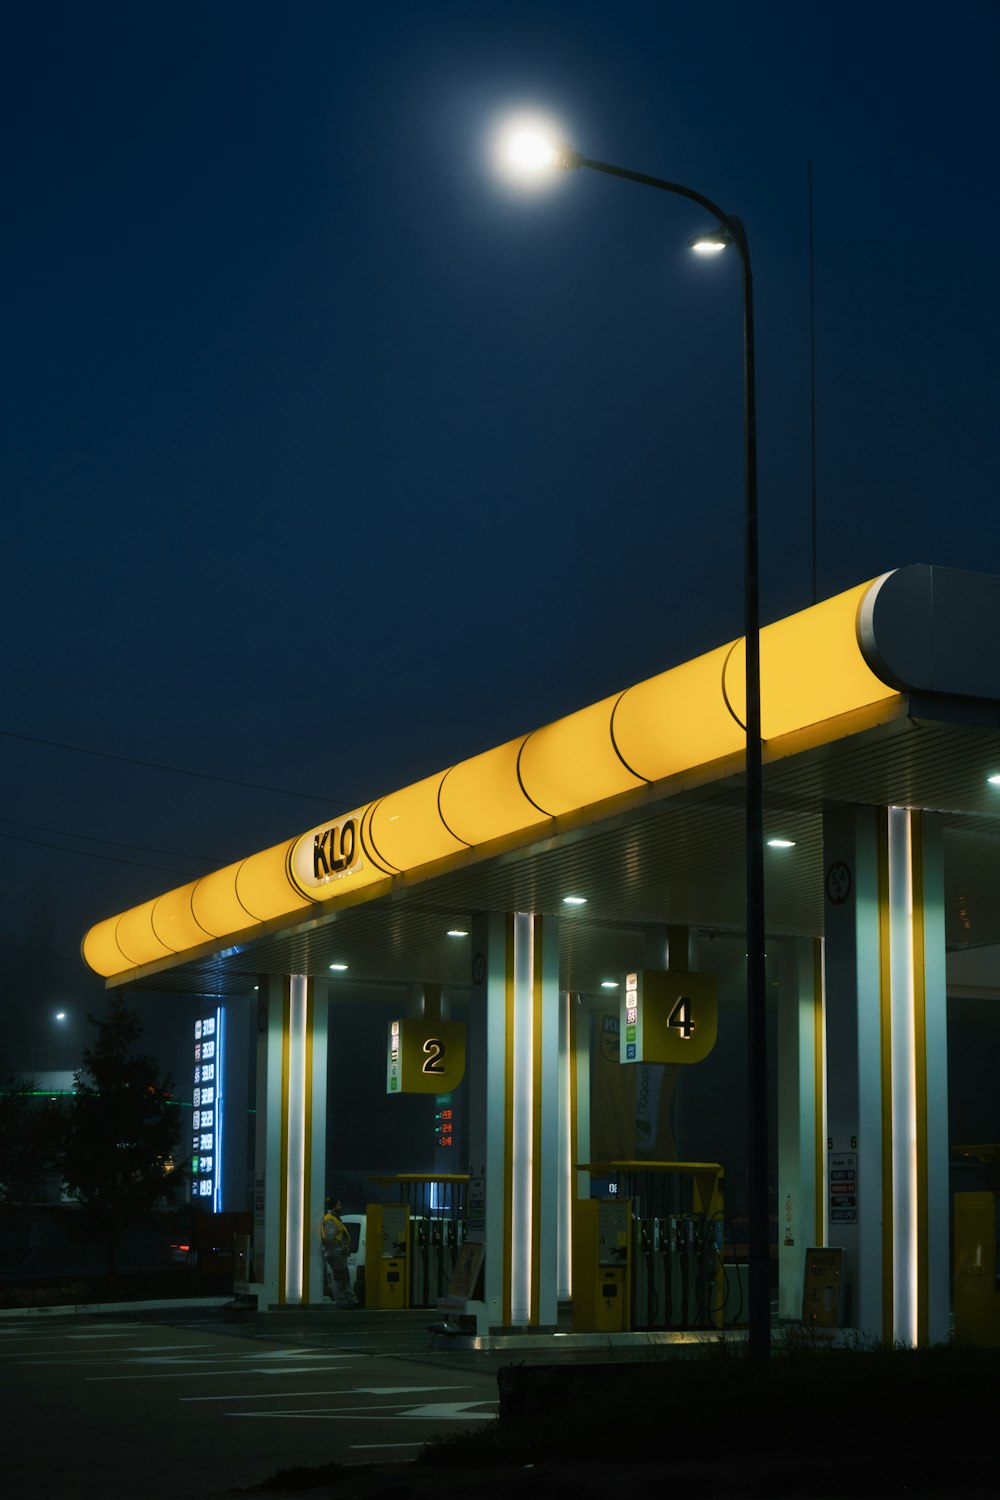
[(521, 1132), (296, 1128), (565, 1138), (903, 1080)]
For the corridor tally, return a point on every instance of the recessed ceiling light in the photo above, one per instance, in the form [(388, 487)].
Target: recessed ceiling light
[(457, 932), (574, 901), (781, 843), (339, 967), (609, 984)]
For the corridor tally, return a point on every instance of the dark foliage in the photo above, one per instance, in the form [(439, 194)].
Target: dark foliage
[(29, 1136), (117, 1154)]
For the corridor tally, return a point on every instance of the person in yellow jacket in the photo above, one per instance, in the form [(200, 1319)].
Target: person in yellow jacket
[(336, 1244)]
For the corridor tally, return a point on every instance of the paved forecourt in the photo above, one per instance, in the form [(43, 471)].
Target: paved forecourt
[(115, 1406)]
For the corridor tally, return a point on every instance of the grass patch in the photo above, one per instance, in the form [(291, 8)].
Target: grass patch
[(820, 1408)]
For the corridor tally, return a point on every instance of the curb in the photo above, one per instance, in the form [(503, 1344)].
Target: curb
[(77, 1309)]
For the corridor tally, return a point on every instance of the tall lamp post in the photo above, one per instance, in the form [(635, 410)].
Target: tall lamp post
[(532, 152)]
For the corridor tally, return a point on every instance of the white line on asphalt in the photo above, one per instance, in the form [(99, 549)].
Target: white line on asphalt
[(206, 1374), (389, 1390), (457, 1413), (405, 1390), (162, 1349), (360, 1447)]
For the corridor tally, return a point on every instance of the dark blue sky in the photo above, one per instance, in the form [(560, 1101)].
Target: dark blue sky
[(330, 459)]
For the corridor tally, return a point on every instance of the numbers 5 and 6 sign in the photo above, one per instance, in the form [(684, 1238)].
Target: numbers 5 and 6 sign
[(425, 1057), (668, 1017)]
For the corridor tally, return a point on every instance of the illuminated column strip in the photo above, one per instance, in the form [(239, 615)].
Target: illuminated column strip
[(521, 1049), (798, 1181), (546, 1176), (903, 1081), (855, 1045), (930, 1030), (822, 1222), (490, 1007), (884, 927), (279, 1128), (295, 1132), (315, 1168), (566, 1158)]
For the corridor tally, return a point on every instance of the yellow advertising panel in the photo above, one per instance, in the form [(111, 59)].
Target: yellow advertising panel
[(425, 1056), (668, 1016), (481, 799), (573, 762)]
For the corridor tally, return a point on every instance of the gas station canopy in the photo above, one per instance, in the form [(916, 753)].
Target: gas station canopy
[(887, 694)]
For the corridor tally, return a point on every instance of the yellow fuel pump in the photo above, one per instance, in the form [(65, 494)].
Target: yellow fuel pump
[(387, 1255), (977, 1268), (601, 1264)]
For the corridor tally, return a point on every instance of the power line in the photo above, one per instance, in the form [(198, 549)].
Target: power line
[(110, 859), (153, 765), (90, 838)]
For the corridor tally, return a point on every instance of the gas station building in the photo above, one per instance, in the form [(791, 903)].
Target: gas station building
[(602, 855)]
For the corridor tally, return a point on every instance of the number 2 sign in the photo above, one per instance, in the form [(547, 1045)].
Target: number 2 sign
[(425, 1056)]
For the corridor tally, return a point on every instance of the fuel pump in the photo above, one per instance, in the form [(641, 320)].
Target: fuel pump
[(387, 1268), (601, 1265), (977, 1268)]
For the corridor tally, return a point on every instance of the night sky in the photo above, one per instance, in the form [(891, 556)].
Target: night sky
[(331, 458)]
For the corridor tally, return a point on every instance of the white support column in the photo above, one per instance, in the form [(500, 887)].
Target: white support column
[(567, 1177), (933, 1239), (290, 1138), (801, 1126), (514, 1108), (887, 1069), (854, 1047), (546, 1172), (492, 956)]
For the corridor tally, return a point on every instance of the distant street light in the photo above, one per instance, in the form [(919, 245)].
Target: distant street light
[(533, 152)]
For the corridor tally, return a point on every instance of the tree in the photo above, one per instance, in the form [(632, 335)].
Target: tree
[(27, 1138), (116, 1155)]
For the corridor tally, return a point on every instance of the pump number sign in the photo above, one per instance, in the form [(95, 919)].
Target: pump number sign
[(668, 1017), (425, 1057)]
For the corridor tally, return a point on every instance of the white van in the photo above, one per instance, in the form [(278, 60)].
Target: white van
[(355, 1224)]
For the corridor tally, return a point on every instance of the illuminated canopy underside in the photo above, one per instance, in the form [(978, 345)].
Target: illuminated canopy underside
[(905, 632)]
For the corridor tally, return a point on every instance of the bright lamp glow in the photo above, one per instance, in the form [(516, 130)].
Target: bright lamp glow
[(609, 984), (994, 780), (530, 151), (711, 242), (781, 843), (574, 901), (457, 932), (339, 968), (526, 150)]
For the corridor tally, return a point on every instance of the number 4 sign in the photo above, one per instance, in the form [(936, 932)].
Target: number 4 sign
[(425, 1056), (668, 1017)]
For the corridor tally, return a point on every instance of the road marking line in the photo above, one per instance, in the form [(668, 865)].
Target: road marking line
[(206, 1374), (360, 1447)]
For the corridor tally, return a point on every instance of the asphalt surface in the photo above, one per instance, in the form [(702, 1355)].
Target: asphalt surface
[(179, 1402), (183, 1404)]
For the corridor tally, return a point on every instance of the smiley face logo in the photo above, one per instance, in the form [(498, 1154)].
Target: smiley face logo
[(838, 882)]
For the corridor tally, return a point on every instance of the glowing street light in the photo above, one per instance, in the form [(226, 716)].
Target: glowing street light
[(531, 150)]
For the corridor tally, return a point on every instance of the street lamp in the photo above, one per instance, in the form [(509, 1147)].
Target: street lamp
[(531, 152)]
